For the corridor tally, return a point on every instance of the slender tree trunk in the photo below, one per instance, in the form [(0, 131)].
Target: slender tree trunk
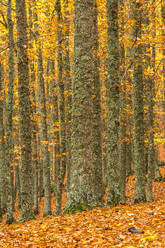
[(3, 179), (138, 113), (53, 101), (9, 124), (129, 136), (18, 186), (50, 112), (44, 138), (61, 107), (43, 132), (151, 153), (150, 94), (34, 114), (113, 104), (24, 112), (122, 97), (67, 89), (40, 161), (163, 48), (158, 175)]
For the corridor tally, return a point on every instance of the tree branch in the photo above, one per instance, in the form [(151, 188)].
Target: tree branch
[(6, 5)]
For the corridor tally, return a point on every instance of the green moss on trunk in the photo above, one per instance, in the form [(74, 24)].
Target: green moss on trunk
[(113, 105)]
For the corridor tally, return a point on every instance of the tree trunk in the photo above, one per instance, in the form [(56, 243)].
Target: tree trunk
[(83, 175), (34, 115), (3, 178), (97, 122), (24, 112), (9, 122), (163, 47), (44, 138), (138, 112), (43, 133), (68, 89), (113, 104), (61, 107)]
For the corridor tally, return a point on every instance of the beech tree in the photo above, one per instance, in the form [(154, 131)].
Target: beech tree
[(138, 105), (9, 112), (42, 112), (113, 104), (78, 114), (82, 191), (61, 107), (24, 112), (3, 179)]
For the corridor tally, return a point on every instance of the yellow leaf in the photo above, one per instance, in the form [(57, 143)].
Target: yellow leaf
[(151, 237), (43, 227)]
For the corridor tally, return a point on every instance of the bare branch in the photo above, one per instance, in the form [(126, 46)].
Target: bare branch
[(5, 4), (4, 22)]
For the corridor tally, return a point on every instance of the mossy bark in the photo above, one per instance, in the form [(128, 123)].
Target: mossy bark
[(9, 122), (33, 114), (97, 121), (67, 87), (3, 179), (122, 112), (24, 112), (50, 113), (163, 46), (151, 152), (122, 145), (82, 191), (44, 137), (40, 162), (17, 185), (61, 107), (129, 136), (138, 111), (150, 82), (113, 197)]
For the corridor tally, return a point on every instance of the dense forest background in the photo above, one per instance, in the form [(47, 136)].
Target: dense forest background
[(81, 102)]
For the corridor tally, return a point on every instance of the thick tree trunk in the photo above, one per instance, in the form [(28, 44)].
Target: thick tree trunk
[(97, 122), (24, 112), (82, 191)]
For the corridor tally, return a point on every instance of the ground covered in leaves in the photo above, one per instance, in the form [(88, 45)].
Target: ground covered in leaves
[(100, 227)]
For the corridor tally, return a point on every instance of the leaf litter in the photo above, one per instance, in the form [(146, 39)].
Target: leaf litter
[(98, 228)]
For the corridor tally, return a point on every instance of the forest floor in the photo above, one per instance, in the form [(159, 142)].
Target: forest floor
[(100, 227)]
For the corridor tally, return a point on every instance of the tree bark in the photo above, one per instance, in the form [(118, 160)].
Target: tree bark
[(61, 107), (82, 191), (24, 112), (113, 104), (138, 112)]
